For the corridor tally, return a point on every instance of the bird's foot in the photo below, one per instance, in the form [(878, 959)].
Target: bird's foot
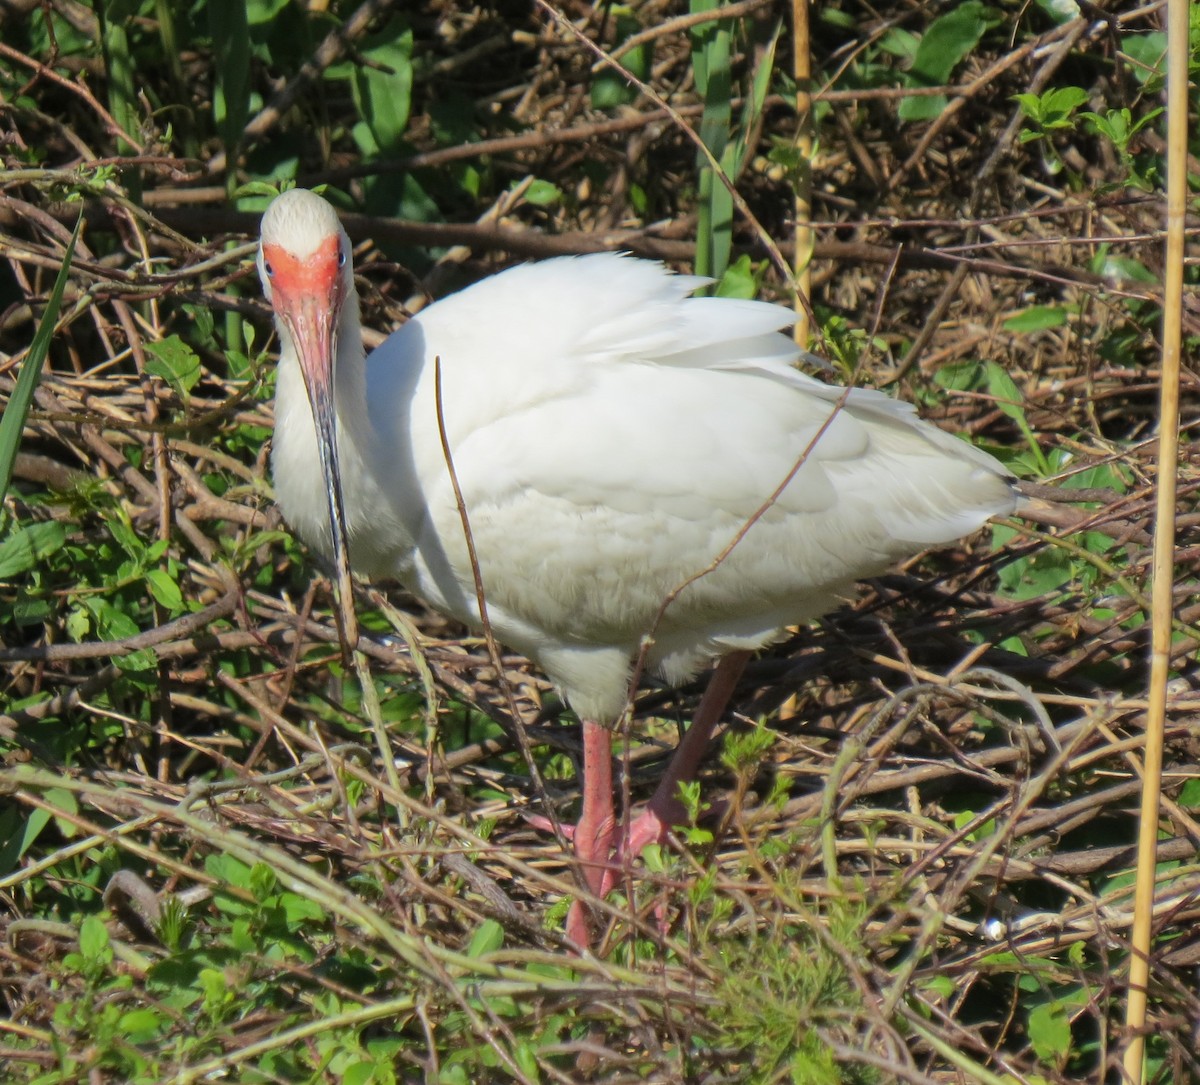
[(648, 827), (608, 853), (579, 925), (605, 853), (606, 856), (545, 825)]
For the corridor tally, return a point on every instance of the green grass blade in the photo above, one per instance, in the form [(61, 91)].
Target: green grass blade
[(121, 68), (229, 24), (753, 104), (13, 421), (230, 29), (714, 80), (122, 81)]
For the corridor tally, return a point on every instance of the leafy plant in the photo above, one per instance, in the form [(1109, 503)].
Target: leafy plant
[(946, 43)]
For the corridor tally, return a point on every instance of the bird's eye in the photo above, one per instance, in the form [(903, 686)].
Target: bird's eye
[(341, 257), (268, 269)]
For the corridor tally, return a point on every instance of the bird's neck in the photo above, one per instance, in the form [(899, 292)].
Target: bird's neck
[(349, 372)]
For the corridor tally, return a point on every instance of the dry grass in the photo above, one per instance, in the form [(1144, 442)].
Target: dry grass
[(921, 867)]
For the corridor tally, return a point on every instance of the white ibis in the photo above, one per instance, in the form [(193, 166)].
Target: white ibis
[(612, 436)]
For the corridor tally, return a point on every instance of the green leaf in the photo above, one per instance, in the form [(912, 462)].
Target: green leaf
[(1050, 111), (27, 610), (741, 279), (1148, 52), (175, 362), (300, 912), (241, 937), (111, 623), (1061, 11), (231, 46), (203, 326), (965, 376), (15, 412), (842, 20), (487, 939), (900, 43), (93, 937), (141, 659), (250, 189), (526, 1059), (382, 88), (79, 624), (943, 46), (1113, 125), (1112, 475), (227, 869), (1038, 575), (1031, 105), (141, 1025), (128, 539), (18, 833), (1050, 1031), (948, 41), (654, 858), (543, 193), (358, 1073), (1121, 269), (1189, 794), (1036, 318), (215, 987), (1009, 399), (262, 881), (263, 12), (942, 986), (164, 589), (155, 551), (1059, 103), (925, 108), (62, 799), (25, 546), (610, 88)]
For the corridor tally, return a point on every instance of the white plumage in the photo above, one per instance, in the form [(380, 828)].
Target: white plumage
[(611, 435)]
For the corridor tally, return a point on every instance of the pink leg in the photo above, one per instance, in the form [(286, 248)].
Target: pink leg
[(597, 826), (597, 841), (664, 808)]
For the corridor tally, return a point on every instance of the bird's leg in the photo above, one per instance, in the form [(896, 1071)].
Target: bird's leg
[(597, 841), (664, 808), (597, 826)]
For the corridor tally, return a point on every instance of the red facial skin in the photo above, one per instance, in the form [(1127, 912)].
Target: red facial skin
[(307, 296)]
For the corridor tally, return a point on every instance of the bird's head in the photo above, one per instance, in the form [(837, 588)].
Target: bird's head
[(304, 264)]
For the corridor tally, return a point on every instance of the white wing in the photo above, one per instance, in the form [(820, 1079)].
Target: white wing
[(612, 437)]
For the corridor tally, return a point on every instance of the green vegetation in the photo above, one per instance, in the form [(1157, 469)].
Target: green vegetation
[(914, 863)]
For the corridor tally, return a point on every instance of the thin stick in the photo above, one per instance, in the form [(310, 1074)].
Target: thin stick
[(1164, 537), (489, 637), (802, 257)]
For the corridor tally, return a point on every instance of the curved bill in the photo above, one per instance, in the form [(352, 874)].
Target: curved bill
[(312, 321), (326, 423)]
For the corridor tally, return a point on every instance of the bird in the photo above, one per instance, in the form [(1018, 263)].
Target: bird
[(650, 482)]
